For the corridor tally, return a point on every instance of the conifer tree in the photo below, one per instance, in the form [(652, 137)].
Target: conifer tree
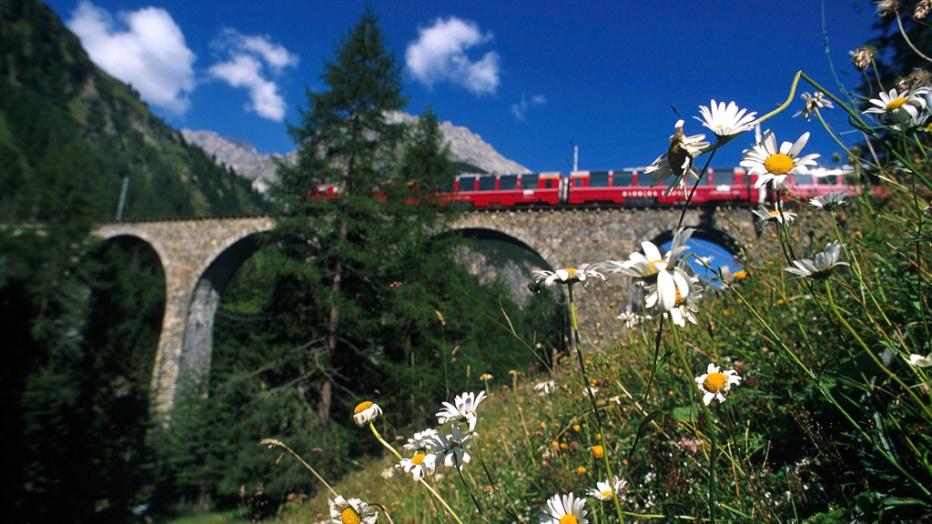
[(346, 140)]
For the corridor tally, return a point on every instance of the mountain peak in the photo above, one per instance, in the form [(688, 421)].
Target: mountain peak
[(242, 157)]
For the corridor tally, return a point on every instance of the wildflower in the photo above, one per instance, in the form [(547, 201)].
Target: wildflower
[(684, 304), (545, 388), (900, 108), (565, 509), (921, 361), (887, 7), (419, 465), (581, 470), (728, 277), (605, 490), (678, 160), (629, 318), (452, 447), (485, 377), (813, 102), (576, 428), (923, 7), (670, 280), (366, 412), (598, 451), (714, 383), (464, 408), (421, 439), (862, 57), (774, 215), (351, 511), (775, 163), (725, 120), (829, 201), (820, 266), (388, 473), (570, 275)]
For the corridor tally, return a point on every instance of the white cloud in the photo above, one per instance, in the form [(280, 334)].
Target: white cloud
[(439, 54), (146, 49), (248, 58), (520, 109)]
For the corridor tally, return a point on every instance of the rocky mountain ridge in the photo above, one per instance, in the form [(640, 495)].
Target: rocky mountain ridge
[(259, 168)]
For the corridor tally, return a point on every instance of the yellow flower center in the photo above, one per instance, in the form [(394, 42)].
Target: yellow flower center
[(774, 213), (680, 299), (607, 494), (778, 164), (652, 265), (715, 382), (349, 516), (741, 275), (570, 272), (362, 406), (895, 103), (418, 458), (568, 519)]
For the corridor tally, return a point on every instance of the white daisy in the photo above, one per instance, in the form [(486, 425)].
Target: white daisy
[(464, 407), (545, 387), (387, 473), (421, 439), (452, 447), (565, 509), (630, 318), (829, 201), (669, 295), (812, 102), (351, 511), (774, 164), (419, 465), (653, 267), (605, 491), (678, 160), (899, 108), (821, 265), (774, 215), (366, 412), (569, 275), (725, 120), (920, 361), (715, 383)]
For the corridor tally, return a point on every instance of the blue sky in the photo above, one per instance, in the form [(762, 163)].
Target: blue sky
[(529, 77)]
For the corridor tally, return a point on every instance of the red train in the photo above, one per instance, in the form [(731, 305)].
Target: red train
[(628, 187), (623, 187)]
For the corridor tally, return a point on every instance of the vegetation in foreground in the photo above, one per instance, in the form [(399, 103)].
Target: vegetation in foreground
[(793, 390)]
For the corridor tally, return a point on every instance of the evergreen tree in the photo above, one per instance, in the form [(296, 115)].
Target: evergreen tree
[(345, 140)]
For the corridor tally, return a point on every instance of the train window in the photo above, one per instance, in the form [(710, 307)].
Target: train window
[(802, 180), (508, 182), (666, 182), (577, 182), (598, 179), (467, 183), (551, 183), (529, 181), (828, 180), (487, 183), (622, 178)]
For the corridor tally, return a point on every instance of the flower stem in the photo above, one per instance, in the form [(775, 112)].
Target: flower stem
[(595, 406), (432, 491), (273, 442)]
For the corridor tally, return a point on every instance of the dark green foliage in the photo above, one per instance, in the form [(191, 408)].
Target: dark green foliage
[(413, 327)]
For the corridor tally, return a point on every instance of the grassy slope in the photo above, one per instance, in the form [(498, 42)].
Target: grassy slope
[(784, 451)]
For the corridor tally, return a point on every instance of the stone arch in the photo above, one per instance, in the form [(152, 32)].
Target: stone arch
[(197, 341), (486, 233), (710, 234)]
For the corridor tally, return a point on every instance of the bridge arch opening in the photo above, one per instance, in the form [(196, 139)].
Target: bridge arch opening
[(197, 343), (710, 250)]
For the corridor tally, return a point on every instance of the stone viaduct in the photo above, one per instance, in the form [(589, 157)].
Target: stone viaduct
[(199, 256)]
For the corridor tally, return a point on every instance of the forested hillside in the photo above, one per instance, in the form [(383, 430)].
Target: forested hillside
[(69, 133)]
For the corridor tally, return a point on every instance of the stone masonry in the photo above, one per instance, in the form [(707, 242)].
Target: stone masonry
[(200, 256)]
